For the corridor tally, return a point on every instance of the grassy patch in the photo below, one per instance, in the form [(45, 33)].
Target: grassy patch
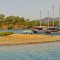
[(5, 33)]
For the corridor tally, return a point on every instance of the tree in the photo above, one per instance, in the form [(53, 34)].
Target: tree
[(2, 16)]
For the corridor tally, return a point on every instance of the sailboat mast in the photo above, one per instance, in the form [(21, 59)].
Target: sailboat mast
[(40, 18), (59, 15), (48, 18), (53, 15)]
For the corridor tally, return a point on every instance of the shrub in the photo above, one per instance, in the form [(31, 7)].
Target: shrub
[(5, 33)]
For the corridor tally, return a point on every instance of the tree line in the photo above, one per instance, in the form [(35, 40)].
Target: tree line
[(16, 22)]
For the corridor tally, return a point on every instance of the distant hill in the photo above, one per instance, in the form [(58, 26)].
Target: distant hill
[(50, 19)]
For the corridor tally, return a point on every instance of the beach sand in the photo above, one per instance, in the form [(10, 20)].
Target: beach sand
[(27, 39)]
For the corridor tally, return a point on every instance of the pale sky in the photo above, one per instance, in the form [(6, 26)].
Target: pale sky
[(30, 9)]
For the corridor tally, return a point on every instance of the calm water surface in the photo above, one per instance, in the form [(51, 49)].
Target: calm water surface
[(44, 51), (21, 32), (14, 31)]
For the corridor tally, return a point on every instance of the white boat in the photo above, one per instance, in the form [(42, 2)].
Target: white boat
[(38, 29), (27, 32), (52, 30)]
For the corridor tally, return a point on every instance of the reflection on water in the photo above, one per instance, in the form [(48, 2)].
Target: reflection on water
[(44, 51)]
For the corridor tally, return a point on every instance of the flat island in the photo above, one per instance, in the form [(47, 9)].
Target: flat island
[(27, 39)]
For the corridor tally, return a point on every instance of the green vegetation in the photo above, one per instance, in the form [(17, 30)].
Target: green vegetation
[(16, 22), (5, 33)]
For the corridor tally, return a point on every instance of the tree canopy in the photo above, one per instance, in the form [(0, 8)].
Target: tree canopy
[(16, 22)]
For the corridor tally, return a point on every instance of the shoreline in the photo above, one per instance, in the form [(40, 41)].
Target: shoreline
[(29, 43), (19, 39)]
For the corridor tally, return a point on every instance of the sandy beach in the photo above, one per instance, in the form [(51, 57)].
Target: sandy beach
[(27, 39)]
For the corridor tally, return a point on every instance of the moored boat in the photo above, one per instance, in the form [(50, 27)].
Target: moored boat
[(52, 30), (38, 29)]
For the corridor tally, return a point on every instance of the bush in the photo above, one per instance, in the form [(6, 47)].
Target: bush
[(5, 33)]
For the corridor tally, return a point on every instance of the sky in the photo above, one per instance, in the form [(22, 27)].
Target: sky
[(29, 9)]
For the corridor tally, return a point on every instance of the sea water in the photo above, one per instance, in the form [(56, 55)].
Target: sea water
[(42, 51), (22, 32)]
